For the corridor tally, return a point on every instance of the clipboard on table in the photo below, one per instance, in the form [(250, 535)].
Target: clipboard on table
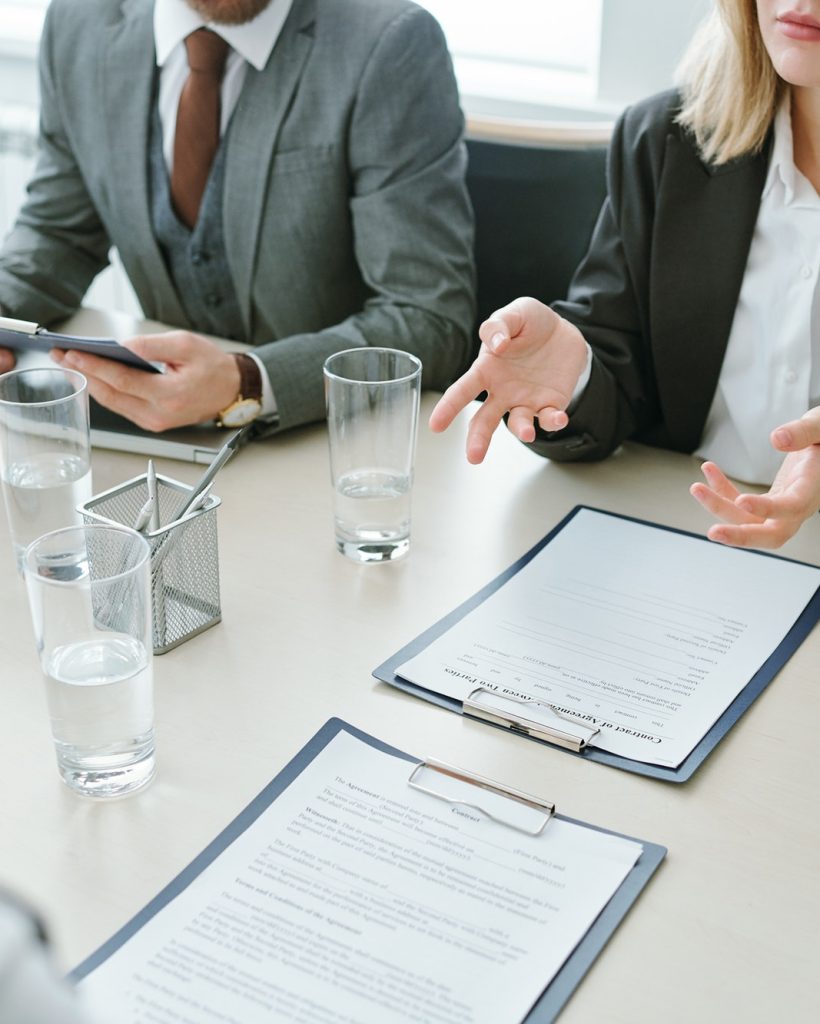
[(564, 982), (573, 735), (23, 336)]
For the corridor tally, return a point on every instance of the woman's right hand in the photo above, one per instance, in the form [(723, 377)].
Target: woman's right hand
[(529, 363)]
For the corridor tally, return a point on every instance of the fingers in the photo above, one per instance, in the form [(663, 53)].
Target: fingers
[(480, 432), (748, 520), (721, 508), (797, 434), (770, 534), (760, 505), (520, 423), (107, 374), (718, 496), (551, 418), (718, 482), (168, 347), (6, 360), (457, 397), (503, 325)]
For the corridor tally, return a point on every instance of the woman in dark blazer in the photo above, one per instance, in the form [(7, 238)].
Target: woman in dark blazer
[(650, 343)]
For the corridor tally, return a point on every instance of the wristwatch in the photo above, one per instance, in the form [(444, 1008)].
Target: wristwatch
[(248, 403)]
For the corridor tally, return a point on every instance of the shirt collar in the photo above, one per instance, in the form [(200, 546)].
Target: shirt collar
[(781, 165), (174, 20)]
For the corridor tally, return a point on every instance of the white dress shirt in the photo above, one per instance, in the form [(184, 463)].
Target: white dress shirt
[(771, 371), (251, 43)]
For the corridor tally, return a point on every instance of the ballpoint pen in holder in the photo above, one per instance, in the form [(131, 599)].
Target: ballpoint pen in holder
[(184, 550)]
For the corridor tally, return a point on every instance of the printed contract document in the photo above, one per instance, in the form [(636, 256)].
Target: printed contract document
[(642, 633), (355, 898)]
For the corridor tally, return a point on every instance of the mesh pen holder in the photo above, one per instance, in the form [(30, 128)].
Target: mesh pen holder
[(184, 555)]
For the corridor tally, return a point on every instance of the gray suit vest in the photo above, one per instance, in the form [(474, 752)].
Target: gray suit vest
[(196, 259)]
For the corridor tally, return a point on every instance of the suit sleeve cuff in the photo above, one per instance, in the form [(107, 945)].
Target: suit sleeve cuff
[(270, 408)]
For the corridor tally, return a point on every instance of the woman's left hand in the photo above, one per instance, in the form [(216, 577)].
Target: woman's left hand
[(768, 520)]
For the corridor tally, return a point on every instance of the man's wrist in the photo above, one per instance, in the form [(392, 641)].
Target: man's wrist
[(247, 404)]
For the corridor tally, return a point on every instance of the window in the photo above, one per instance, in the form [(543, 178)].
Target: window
[(581, 59), (22, 22), (531, 58), (520, 49)]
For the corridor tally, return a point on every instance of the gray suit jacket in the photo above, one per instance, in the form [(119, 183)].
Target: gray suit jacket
[(346, 217)]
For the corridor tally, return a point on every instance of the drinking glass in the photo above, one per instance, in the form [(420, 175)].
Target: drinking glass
[(45, 455), (90, 597), (372, 397)]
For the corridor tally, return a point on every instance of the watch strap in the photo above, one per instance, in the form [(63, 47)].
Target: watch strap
[(250, 377)]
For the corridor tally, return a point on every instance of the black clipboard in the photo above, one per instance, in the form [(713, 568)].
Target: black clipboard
[(387, 672), (551, 1001), (38, 339)]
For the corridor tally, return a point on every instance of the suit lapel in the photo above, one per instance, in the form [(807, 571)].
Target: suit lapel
[(254, 128), (127, 71), (703, 229)]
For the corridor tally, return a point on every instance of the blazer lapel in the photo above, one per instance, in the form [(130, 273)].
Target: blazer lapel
[(128, 67), (703, 229), (252, 135)]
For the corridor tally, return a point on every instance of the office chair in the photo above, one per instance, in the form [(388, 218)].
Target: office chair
[(535, 207)]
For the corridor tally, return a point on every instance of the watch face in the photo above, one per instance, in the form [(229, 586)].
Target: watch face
[(240, 413)]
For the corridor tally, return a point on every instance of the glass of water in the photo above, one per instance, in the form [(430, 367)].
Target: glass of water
[(372, 397), (45, 454), (90, 597)]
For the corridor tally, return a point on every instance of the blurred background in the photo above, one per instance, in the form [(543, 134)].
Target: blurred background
[(520, 60)]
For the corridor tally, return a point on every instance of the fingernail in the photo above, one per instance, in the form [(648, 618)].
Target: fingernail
[(496, 340), (783, 436)]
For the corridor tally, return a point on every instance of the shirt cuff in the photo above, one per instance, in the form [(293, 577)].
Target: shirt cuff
[(583, 380), (270, 408)]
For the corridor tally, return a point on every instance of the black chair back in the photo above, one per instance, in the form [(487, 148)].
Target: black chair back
[(535, 208)]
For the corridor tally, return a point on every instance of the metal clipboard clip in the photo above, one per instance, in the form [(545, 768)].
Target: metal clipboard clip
[(550, 725), (502, 804)]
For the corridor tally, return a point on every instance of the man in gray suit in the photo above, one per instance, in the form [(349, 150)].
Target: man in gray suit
[(334, 213)]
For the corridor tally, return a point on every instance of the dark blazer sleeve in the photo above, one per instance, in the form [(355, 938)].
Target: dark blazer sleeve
[(608, 299)]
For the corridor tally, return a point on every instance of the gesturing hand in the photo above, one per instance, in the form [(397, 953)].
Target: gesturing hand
[(768, 520), (529, 363), (199, 381)]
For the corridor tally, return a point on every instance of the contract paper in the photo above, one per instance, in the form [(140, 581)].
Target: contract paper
[(355, 899), (643, 633)]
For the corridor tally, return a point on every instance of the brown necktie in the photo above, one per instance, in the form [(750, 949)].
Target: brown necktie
[(197, 131)]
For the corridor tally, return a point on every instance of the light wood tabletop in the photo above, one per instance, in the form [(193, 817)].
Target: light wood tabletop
[(728, 926)]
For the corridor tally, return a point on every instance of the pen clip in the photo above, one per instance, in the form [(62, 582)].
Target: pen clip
[(525, 808), (554, 727), (144, 515)]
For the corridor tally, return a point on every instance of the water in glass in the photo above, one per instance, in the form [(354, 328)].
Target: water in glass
[(372, 513), (101, 706), (42, 494)]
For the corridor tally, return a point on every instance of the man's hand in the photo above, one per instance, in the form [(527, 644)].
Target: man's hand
[(200, 380), (768, 520), (6, 360), (529, 363)]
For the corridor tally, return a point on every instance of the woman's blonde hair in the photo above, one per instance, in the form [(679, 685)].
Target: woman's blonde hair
[(729, 85)]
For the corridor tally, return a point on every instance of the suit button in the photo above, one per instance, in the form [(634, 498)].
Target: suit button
[(214, 300), (199, 256)]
